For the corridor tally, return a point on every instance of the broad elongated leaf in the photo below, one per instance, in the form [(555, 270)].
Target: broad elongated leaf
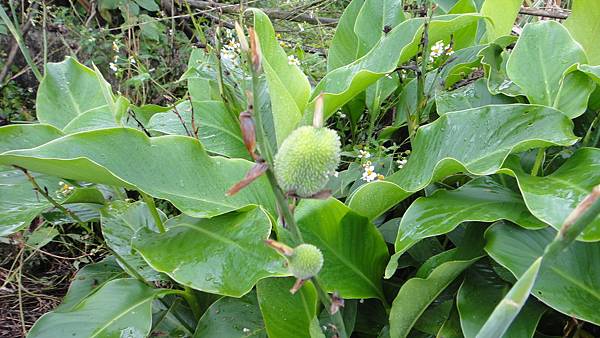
[(224, 255), (397, 47), (218, 130), (501, 15), (287, 315), (481, 290), (121, 308), (568, 287), (494, 59), (583, 25), (419, 292), (69, 89), (374, 19), (25, 136), (541, 56), (345, 46), (479, 200), (174, 168), (172, 317), (354, 251), (90, 279), (20, 203), (475, 141), (509, 307), (232, 317), (473, 95), (120, 223), (288, 87), (552, 198)]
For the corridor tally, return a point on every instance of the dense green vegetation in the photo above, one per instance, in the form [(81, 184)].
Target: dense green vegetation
[(364, 168)]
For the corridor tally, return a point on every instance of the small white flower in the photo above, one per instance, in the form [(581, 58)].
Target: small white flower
[(115, 58), (292, 60), (246, 330), (115, 46), (132, 60), (364, 154), (113, 67)]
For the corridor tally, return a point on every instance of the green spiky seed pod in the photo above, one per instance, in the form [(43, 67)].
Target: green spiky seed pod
[(306, 261), (306, 159)]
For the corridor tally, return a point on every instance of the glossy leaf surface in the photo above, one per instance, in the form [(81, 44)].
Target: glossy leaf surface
[(174, 168), (481, 290), (446, 146), (79, 90), (553, 197), (563, 285), (583, 25), (544, 51), (480, 200), (218, 130), (106, 313), (287, 315), (225, 255), (120, 223), (232, 317), (354, 251)]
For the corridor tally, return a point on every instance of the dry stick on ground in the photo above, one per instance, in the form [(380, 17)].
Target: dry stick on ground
[(272, 13)]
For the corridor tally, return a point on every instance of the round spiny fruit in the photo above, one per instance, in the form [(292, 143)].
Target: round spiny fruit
[(306, 261), (306, 159)]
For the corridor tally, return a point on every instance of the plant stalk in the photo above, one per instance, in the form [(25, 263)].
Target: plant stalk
[(52, 201), (19, 39), (539, 160), (154, 212)]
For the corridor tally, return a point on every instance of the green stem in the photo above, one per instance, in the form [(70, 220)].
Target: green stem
[(190, 298), (52, 201), (576, 222), (282, 202), (19, 39), (539, 160), (154, 212)]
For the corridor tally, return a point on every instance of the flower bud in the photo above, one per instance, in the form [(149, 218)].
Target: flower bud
[(306, 261), (306, 159)]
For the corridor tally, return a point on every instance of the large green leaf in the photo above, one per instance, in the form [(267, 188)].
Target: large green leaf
[(224, 255), (397, 47), (541, 56), (120, 223), (476, 141), (175, 168), (68, 90), (569, 284), (25, 136), (501, 16), (288, 87), (479, 200), (504, 314), (90, 279), (473, 95), (477, 297), (121, 308), (232, 317), (552, 198), (287, 315), (494, 59), (20, 203), (344, 47), (218, 130), (374, 19), (354, 251), (419, 292), (584, 25)]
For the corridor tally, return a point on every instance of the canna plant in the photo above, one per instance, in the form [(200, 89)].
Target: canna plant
[(487, 226)]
